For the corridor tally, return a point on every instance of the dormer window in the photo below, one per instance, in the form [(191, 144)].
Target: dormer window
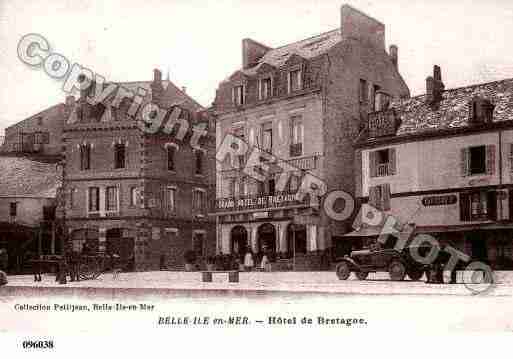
[(480, 110), (265, 88), (295, 82), (238, 95)]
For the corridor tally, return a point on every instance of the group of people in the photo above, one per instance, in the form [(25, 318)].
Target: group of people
[(250, 259)]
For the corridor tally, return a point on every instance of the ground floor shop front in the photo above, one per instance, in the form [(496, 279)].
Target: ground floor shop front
[(299, 246), (143, 244)]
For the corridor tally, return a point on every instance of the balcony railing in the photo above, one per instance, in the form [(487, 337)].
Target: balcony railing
[(383, 123), (306, 163), (383, 169)]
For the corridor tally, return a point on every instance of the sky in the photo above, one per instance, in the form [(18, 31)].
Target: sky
[(199, 42)]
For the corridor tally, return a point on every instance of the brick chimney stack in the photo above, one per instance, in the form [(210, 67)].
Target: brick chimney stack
[(434, 86), (252, 51), (393, 54), (356, 25), (157, 90)]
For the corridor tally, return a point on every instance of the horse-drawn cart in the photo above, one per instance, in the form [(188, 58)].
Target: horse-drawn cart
[(88, 266)]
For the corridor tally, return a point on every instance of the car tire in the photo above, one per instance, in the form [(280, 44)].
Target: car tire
[(397, 270), (361, 275), (343, 270), (415, 273)]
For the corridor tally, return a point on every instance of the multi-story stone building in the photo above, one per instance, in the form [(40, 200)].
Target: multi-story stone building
[(443, 163), (39, 134), (305, 103), (28, 200), (140, 194)]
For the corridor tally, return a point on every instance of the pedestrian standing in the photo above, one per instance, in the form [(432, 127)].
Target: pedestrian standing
[(4, 259), (265, 263), (248, 261)]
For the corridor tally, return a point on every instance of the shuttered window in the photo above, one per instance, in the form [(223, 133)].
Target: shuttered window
[(478, 160), (382, 162)]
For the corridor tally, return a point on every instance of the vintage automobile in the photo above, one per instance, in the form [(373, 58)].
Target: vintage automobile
[(376, 259)]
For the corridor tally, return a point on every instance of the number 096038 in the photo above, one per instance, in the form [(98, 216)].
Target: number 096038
[(38, 344)]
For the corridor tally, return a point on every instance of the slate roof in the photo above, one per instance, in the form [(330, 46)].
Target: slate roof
[(25, 177), (417, 116), (307, 48)]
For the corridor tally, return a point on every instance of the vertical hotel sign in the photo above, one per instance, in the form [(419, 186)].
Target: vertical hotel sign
[(257, 202)]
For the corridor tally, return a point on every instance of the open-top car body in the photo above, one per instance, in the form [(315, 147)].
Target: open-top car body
[(398, 263)]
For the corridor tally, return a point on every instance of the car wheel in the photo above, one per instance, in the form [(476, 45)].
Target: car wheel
[(397, 270), (361, 275), (343, 270), (415, 273)]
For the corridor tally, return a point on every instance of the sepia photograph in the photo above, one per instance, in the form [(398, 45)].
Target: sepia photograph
[(175, 175)]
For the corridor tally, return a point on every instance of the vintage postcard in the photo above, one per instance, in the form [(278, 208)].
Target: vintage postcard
[(176, 175)]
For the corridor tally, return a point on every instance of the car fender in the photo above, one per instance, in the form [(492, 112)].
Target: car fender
[(351, 262)]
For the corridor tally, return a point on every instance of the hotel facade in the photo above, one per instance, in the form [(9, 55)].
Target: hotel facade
[(303, 103), (443, 163)]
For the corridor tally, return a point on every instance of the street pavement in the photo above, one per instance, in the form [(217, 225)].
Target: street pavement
[(313, 282)]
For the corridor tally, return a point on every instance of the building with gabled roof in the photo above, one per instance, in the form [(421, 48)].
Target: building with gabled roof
[(443, 163), (304, 103), (141, 194)]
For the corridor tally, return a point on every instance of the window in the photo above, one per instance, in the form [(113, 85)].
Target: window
[(85, 157), (171, 158), (198, 200), (13, 209), (375, 89), (261, 187), (267, 137), (270, 186), (238, 95), (265, 88), (41, 138), (294, 80), (478, 205), (94, 199), (199, 162), (364, 91), (119, 155), (134, 194), (296, 135), (170, 199), (198, 243), (379, 196), (111, 199), (477, 160), (294, 183), (382, 162)]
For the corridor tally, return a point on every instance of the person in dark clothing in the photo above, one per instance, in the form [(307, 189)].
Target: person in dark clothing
[(4, 259), (74, 262)]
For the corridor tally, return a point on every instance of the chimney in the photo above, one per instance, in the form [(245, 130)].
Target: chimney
[(68, 106), (393, 54), (184, 89), (252, 51), (157, 90), (434, 86), (356, 25)]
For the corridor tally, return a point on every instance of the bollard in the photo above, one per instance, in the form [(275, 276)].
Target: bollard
[(62, 274), (206, 276), (233, 277)]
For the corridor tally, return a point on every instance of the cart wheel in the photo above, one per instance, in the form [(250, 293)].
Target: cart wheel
[(89, 269), (361, 275), (397, 270), (343, 270), (415, 273)]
